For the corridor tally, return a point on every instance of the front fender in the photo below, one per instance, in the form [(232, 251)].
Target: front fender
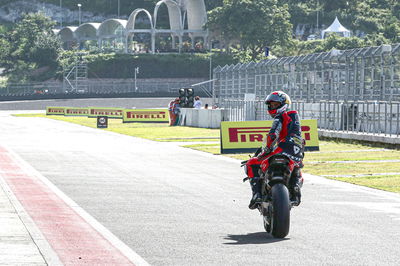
[(251, 166)]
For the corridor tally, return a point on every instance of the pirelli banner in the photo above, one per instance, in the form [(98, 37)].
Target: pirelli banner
[(247, 136), (55, 110), (76, 111), (105, 111), (145, 115)]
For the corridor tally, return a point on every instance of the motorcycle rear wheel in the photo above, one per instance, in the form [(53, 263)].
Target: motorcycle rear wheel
[(280, 215)]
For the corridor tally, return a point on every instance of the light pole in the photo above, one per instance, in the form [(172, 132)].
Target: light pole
[(79, 13), (118, 9), (136, 72), (61, 14), (317, 15)]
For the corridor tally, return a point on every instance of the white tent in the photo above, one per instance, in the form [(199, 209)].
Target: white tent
[(337, 27)]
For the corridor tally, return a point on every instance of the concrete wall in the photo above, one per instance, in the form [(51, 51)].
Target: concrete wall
[(204, 118)]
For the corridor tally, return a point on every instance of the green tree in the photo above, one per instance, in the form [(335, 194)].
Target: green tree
[(31, 44), (253, 24)]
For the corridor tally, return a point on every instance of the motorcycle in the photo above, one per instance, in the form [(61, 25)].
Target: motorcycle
[(274, 173)]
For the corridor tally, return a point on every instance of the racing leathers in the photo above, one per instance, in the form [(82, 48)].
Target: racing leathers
[(283, 138)]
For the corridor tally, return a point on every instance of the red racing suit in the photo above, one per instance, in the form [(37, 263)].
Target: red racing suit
[(284, 138)]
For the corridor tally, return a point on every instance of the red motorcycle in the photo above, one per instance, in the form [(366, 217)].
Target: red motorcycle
[(274, 173)]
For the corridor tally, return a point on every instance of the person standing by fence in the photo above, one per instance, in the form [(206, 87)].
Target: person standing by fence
[(197, 102)]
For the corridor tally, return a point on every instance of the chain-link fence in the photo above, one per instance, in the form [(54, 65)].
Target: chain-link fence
[(375, 117), (371, 73)]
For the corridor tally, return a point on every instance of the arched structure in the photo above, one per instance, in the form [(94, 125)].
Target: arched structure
[(130, 27), (112, 29), (174, 12), (67, 37), (175, 21), (132, 18), (87, 32), (196, 14), (179, 11)]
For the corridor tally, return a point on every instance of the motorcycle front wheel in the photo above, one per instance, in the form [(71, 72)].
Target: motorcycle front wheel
[(280, 211)]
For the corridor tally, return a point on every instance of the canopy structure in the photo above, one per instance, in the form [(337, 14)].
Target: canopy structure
[(185, 17), (336, 27), (87, 31)]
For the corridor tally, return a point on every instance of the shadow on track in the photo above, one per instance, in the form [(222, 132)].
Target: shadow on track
[(252, 238)]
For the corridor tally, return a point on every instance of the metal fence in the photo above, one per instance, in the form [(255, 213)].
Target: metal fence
[(371, 73), (375, 117)]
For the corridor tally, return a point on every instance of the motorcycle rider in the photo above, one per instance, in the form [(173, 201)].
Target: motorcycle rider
[(283, 138)]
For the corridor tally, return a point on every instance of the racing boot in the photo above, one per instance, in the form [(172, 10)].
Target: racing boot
[(295, 184), (255, 184)]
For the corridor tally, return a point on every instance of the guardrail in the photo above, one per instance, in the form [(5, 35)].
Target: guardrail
[(373, 117)]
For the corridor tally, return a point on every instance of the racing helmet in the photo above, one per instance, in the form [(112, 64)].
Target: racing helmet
[(279, 97)]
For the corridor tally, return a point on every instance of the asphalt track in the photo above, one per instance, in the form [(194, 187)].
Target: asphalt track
[(176, 206)]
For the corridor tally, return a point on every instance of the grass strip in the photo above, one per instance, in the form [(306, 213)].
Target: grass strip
[(388, 183), (353, 156), (350, 169), (152, 131)]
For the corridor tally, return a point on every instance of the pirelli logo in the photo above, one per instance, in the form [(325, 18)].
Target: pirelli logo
[(109, 112), (105, 112), (146, 115), (247, 136), (55, 110), (76, 111), (257, 134)]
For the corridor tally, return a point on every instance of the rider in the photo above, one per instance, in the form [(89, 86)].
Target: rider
[(284, 138)]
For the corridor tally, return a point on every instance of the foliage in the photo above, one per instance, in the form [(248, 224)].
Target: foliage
[(360, 16), (335, 42), (269, 25), (113, 65), (29, 46)]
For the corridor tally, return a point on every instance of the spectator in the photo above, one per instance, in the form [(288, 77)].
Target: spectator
[(197, 103), (206, 106)]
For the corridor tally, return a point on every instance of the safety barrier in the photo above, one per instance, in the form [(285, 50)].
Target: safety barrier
[(204, 118), (373, 117)]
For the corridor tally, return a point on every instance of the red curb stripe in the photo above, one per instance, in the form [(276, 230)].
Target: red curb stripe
[(74, 240)]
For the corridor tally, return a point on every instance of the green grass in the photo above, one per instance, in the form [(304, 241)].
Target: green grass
[(351, 168), (317, 161), (332, 146), (210, 148), (352, 156), (152, 131), (388, 183)]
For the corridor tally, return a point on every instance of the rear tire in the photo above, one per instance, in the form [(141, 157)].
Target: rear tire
[(280, 216)]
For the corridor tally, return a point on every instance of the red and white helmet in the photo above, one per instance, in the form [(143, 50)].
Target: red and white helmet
[(282, 98)]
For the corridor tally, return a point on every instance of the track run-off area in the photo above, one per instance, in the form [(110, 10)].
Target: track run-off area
[(131, 199)]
